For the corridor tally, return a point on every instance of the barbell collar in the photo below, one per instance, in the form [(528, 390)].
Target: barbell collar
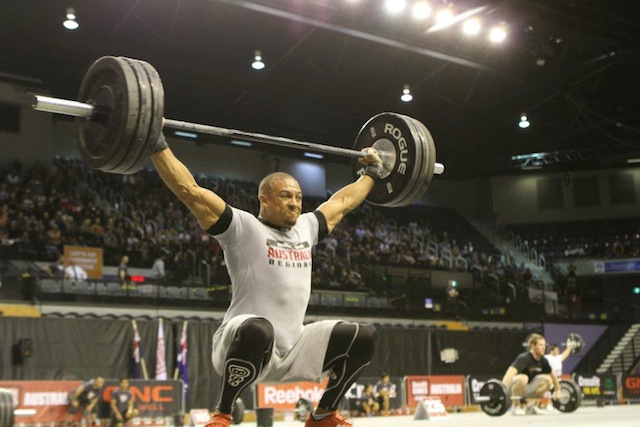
[(80, 109)]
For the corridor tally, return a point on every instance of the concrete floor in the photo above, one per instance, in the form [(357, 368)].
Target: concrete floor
[(610, 416)]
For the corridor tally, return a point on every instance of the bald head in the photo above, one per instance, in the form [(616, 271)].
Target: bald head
[(280, 199), (272, 181)]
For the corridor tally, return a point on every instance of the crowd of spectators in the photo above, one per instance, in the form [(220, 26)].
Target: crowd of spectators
[(44, 208), (612, 238)]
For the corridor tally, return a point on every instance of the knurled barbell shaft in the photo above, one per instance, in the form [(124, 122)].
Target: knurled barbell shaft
[(81, 109)]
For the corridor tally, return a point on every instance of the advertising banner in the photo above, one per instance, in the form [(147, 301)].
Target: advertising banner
[(90, 259), (597, 386), (621, 266), (48, 398), (449, 388), (154, 399), (631, 386), (475, 383), (283, 397)]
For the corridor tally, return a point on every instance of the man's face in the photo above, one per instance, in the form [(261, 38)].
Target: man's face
[(98, 383), (539, 348), (282, 205), (124, 384)]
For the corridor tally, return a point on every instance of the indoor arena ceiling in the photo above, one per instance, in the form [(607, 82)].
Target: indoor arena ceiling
[(573, 66)]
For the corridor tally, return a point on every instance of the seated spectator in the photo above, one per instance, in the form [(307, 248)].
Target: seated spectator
[(55, 270), (74, 272), (157, 269), (617, 248), (370, 404), (385, 391)]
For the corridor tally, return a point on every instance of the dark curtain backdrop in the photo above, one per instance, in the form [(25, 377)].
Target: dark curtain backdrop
[(479, 352), (85, 348), (400, 352), (79, 349)]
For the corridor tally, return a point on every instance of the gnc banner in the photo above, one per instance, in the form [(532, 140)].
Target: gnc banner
[(48, 398), (154, 399), (630, 386), (283, 397), (449, 388)]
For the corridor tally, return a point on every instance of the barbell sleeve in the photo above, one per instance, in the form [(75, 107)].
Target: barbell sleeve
[(62, 106), (80, 109)]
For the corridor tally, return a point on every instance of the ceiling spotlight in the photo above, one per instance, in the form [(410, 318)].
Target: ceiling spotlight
[(471, 27), (444, 17), (257, 61), (406, 94), (497, 34), (421, 10), (71, 23), (524, 122), (395, 6)]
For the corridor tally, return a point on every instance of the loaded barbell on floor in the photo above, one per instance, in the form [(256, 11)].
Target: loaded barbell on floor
[(495, 400), (121, 105), (8, 411)]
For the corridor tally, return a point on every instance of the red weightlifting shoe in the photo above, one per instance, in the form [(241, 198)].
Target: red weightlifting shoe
[(219, 420), (333, 420)]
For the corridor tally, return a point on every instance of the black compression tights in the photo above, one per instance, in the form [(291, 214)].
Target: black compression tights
[(350, 350), (247, 354)]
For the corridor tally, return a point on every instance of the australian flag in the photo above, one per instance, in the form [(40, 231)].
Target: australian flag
[(182, 366)]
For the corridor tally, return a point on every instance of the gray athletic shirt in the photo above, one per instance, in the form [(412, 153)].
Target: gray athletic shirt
[(270, 269)]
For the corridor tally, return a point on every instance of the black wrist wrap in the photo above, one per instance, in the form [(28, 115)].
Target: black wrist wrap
[(375, 171)]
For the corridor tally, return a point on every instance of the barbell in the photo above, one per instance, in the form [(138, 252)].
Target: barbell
[(8, 411), (495, 400), (120, 111)]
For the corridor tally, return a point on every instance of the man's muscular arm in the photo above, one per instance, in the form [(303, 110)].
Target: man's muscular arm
[(349, 197), (206, 205), (508, 376)]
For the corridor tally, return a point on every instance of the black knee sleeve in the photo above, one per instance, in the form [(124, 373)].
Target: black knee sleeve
[(350, 350), (254, 337), (350, 340), (248, 353)]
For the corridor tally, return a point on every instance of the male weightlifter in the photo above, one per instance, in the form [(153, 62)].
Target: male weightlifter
[(530, 376), (262, 336)]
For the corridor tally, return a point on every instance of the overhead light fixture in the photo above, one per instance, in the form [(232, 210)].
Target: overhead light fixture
[(71, 23), (497, 34), (313, 155), (524, 121), (241, 143), (421, 10), (444, 18), (471, 27), (257, 61), (406, 94), (633, 160), (395, 6), (186, 134)]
